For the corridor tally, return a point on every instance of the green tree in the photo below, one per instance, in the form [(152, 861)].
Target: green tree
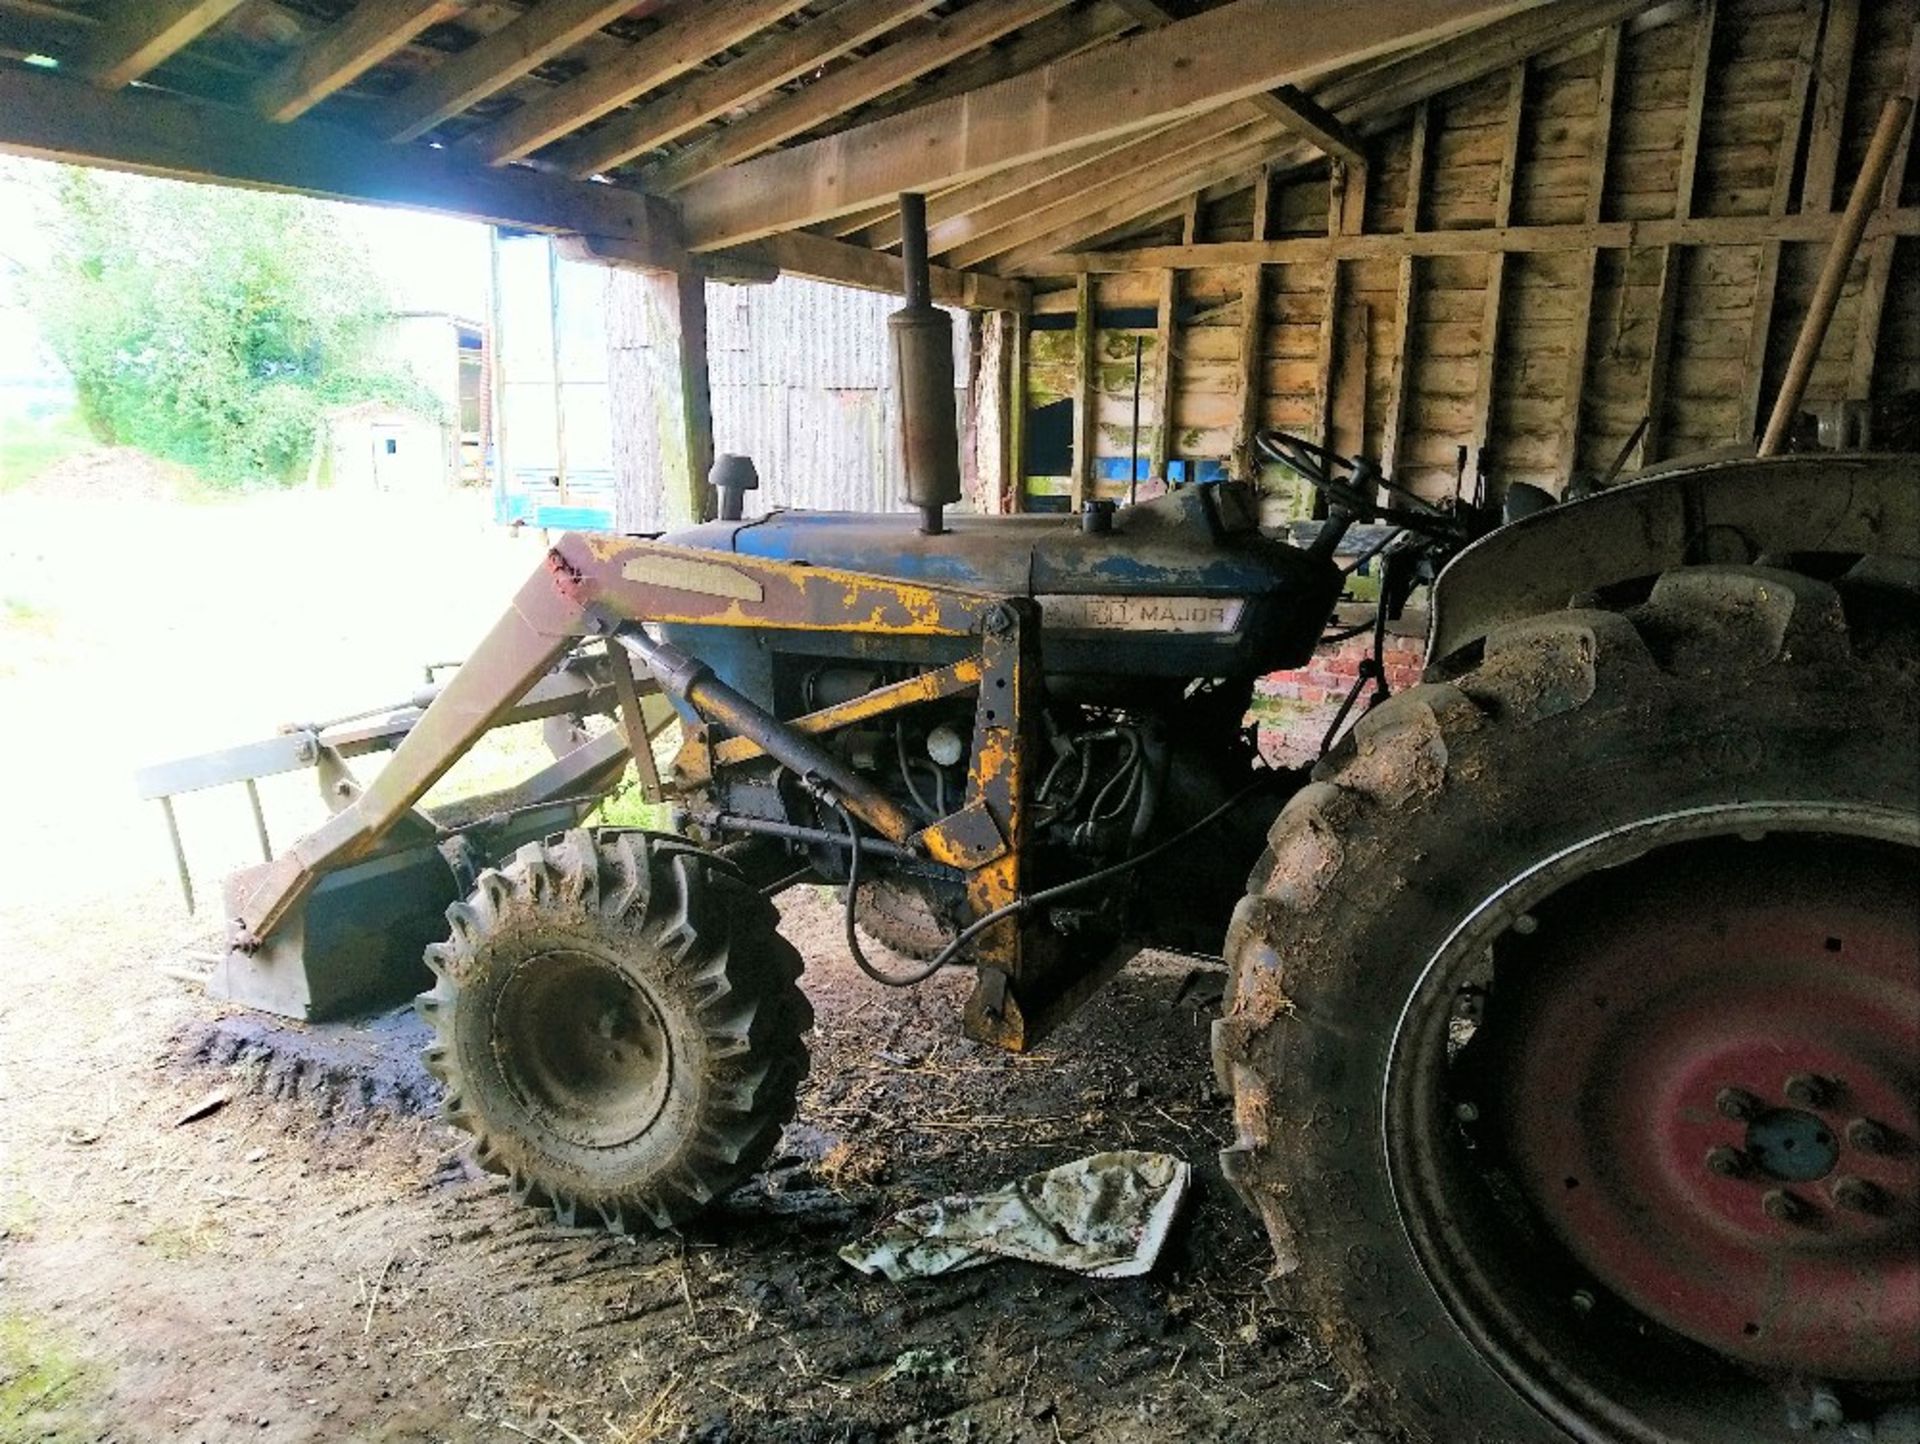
[(211, 326)]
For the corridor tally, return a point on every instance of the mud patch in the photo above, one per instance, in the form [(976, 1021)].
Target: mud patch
[(346, 1073)]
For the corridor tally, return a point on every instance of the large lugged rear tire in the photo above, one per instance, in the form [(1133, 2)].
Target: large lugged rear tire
[(1734, 762), (618, 1025)]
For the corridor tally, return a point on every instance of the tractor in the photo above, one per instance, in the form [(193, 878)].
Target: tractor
[(1572, 1023)]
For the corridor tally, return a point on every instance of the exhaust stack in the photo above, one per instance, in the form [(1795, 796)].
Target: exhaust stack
[(922, 336)]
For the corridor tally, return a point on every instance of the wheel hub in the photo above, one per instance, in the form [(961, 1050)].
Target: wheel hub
[(583, 1048), (1708, 1091)]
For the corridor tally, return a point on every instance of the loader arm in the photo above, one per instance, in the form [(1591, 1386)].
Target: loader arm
[(592, 586)]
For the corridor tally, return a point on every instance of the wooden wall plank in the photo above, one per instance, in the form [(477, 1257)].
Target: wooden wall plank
[(1490, 337), (1240, 459), (1394, 436)]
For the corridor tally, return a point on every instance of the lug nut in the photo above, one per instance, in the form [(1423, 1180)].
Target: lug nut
[(1727, 1162), (1809, 1090), (1737, 1104), (1868, 1136), (1784, 1207), (1526, 925), (1467, 1112), (1858, 1194), (1583, 1302)]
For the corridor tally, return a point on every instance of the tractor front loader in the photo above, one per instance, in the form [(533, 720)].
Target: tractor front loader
[(1573, 1023)]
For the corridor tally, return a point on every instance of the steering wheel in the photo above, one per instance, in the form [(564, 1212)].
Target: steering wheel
[(1348, 484)]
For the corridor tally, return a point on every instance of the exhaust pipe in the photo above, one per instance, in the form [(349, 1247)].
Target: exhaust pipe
[(922, 336)]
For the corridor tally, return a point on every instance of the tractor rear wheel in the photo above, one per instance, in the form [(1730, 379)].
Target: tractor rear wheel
[(1574, 1025), (618, 1025)]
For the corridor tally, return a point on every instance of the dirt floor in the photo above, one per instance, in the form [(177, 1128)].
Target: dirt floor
[(309, 1258)]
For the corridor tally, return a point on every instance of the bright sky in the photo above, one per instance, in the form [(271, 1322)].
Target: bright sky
[(430, 263)]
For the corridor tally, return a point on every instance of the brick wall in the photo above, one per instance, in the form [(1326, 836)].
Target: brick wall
[(1295, 708)]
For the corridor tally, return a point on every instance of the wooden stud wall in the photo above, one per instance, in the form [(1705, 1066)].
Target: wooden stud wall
[(1543, 362)]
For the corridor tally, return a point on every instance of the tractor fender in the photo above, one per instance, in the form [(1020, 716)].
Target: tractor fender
[(1730, 512)]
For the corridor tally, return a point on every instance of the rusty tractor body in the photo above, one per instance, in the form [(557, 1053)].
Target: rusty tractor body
[(1571, 1024)]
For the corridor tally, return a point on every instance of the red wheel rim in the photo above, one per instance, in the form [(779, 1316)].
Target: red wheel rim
[(1711, 1092)]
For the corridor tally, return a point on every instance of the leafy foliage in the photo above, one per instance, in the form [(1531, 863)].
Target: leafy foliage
[(211, 326)]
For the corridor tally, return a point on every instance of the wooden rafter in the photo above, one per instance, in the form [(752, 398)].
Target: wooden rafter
[(493, 63), (136, 39), (346, 50), (1183, 69), (822, 258), (54, 118), (951, 213), (1038, 211), (843, 89), (699, 33), (1369, 98), (769, 65)]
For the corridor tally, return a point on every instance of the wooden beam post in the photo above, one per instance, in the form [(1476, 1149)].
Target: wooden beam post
[(1580, 325), (137, 38), (1830, 104), (1488, 360), (1199, 64), (1164, 332), (1406, 292), (1873, 295), (1086, 395), (681, 388), (1660, 357), (1017, 419), (1253, 324), (1766, 281)]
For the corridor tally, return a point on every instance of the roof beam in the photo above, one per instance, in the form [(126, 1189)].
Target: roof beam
[(494, 62), (951, 213), (140, 37), (841, 90), (52, 117), (698, 33), (1288, 103), (344, 51), (821, 258), (1223, 55), (761, 69)]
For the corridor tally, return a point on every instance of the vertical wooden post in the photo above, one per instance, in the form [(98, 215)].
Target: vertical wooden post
[(1253, 325), (1873, 295), (1580, 326), (1652, 439), (1496, 275), (1830, 105), (1407, 292), (678, 381), (1346, 212), (1017, 415), (1086, 396), (1163, 376), (1766, 281)]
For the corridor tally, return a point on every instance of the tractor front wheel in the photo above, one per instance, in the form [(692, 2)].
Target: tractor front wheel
[(618, 1025), (1574, 1025)]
